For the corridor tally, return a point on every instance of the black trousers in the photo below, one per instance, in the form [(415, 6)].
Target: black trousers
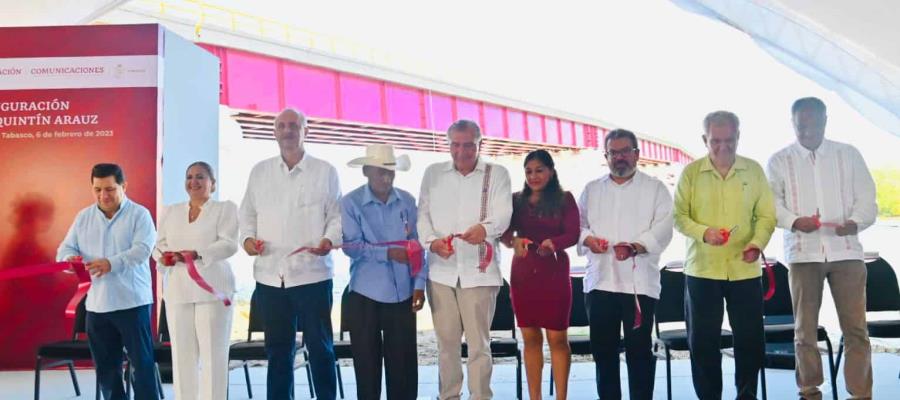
[(383, 332), (107, 333), (607, 313), (283, 309), (704, 312)]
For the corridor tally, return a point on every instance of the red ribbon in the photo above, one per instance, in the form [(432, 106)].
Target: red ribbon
[(819, 223), (529, 243), (485, 259), (413, 251), (625, 251), (77, 265), (770, 273), (726, 234)]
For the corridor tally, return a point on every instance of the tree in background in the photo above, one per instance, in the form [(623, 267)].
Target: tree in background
[(887, 183)]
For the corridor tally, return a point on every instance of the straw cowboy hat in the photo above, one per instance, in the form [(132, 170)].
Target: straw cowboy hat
[(381, 156)]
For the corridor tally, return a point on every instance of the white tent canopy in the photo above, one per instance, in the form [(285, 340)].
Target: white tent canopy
[(55, 12), (849, 47)]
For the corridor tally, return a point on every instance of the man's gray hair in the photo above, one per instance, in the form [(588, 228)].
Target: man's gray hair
[(302, 116), (465, 125), (721, 117)]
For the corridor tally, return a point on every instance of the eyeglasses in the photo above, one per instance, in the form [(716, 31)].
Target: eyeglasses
[(618, 153)]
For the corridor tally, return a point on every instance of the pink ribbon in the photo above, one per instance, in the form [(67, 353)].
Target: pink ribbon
[(413, 251), (198, 279), (168, 259), (77, 265), (770, 273), (625, 251)]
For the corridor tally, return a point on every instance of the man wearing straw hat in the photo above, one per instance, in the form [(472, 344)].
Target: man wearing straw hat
[(385, 288), (463, 204)]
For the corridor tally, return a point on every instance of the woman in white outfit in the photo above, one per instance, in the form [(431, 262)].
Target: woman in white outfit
[(199, 324)]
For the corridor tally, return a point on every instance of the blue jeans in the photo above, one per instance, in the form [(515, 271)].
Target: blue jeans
[(282, 310), (107, 333)]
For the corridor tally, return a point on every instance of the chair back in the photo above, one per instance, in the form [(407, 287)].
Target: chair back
[(504, 320), (578, 313), (345, 316), (163, 328), (256, 319), (670, 307), (780, 305), (80, 325), (882, 292)]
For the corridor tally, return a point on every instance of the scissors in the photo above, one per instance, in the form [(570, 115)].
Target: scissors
[(727, 234)]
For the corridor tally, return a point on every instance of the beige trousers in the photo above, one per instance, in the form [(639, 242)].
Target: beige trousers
[(847, 280), (456, 311)]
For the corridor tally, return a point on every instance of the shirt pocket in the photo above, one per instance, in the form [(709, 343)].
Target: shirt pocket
[(748, 196), (705, 199), (311, 208), (443, 203)]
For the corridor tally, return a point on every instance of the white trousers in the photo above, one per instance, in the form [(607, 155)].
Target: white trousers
[(200, 339)]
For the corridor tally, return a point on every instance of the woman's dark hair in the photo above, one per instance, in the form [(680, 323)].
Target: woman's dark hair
[(550, 203)]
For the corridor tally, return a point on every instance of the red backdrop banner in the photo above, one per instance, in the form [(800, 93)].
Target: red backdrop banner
[(61, 112)]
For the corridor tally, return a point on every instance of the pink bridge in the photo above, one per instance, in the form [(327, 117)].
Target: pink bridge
[(350, 109)]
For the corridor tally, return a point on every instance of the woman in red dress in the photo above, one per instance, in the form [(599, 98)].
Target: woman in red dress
[(544, 223)]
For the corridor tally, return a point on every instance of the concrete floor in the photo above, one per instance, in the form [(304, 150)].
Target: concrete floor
[(56, 385)]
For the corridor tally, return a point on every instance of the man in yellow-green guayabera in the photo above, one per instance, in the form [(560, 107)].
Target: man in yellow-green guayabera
[(724, 206)]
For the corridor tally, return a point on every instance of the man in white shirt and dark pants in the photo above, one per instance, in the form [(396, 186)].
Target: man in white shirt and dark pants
[(824, 196), (470, 197), (293, 201), (632, 209)]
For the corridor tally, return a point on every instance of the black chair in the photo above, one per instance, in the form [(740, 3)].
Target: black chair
[(882, 294), (778, 328), (342, 345), (162, 348), (255, 350), (503, 347), (578, 344), (670, 308), (77, 349), (65, 353)]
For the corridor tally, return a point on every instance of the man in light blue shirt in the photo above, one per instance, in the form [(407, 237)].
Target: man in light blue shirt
[(114, 238), (383, 296)]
